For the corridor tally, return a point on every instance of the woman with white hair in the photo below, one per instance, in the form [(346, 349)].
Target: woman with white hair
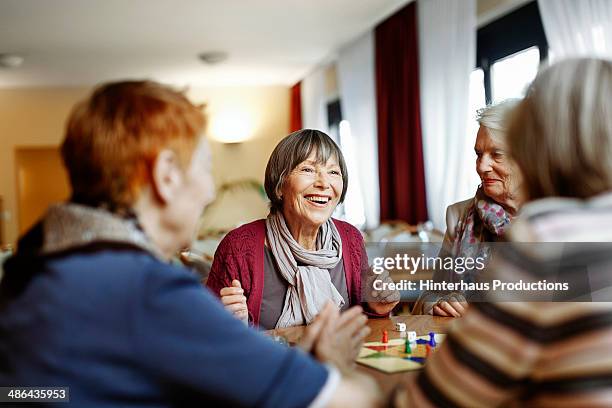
[(482, 218)]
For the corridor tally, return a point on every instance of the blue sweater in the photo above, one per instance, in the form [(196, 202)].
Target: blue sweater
[(121, 328)]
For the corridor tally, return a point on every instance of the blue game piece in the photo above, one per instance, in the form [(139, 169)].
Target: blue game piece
[(419, 360), (432, 339)]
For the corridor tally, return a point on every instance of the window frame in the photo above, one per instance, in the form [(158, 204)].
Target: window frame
[(334, 113), (512, 33)]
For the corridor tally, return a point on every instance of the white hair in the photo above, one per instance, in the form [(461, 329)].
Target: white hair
[(496, 117)]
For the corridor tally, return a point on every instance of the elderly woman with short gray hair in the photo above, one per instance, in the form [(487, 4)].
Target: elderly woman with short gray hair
[(482, 218), (281, 271)]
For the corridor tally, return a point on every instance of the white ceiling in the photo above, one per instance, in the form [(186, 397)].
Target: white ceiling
[(83, 42)]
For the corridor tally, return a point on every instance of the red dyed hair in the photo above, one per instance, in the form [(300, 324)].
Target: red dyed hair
[(113, 138)]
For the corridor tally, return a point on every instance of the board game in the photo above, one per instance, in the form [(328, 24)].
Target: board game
[(391, 357)]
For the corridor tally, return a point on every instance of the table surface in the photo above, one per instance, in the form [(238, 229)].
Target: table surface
[(421, 324)]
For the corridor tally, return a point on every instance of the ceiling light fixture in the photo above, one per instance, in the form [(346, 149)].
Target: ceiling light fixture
[(231, 126), (10, 60), (213, 57)]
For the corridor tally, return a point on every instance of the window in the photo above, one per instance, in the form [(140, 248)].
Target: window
[(340, 130), (511, 76), (477, 101), (353, 204), (334, 117), (509, 52)]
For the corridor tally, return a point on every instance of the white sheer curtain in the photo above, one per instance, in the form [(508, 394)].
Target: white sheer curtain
[(447, 54), (356, 81), (314, 101), (578, 28)]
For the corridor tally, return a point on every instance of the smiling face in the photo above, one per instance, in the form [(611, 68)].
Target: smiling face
[(311, 192), (499, 174)]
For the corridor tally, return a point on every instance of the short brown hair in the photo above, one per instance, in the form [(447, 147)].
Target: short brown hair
[(561, 133), (294, 149), (113, 137)]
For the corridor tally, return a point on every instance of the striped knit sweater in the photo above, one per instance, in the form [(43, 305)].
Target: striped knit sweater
[(541, 354)]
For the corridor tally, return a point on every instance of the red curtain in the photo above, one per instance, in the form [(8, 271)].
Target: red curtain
[(400, 148), (295, 108)]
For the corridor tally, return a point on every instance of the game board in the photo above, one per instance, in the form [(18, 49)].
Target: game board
[(390, 357)]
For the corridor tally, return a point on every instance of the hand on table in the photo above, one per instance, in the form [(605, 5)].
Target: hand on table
[(234, 301), (336, 338), (450, 308)]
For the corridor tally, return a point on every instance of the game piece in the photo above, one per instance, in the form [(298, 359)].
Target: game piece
[(400, 327), (432, 339), (394, 357), (385, 337), (419, 360), (412, 336)]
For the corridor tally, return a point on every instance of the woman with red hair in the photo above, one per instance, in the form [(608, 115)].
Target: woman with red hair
[(90, 301)]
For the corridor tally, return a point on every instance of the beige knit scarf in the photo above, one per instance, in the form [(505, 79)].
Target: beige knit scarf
[(306, 272)]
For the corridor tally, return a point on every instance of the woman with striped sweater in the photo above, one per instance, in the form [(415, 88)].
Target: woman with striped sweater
[(535, 353)]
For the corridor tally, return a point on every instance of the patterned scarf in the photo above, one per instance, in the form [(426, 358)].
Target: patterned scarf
[(306, 272), (484, 221)]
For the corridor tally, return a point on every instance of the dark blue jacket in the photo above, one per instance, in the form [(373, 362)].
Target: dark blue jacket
[(121, 328)]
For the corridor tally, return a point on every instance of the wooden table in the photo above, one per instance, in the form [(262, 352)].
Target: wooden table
[(421, 324)]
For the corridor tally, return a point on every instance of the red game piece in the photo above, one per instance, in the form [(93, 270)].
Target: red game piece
[(427, 350), (385, 336)]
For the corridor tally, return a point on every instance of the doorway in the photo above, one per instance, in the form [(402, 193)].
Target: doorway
[(41, 181)]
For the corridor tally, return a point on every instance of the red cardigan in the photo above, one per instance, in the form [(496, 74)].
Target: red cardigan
[(240, 256)]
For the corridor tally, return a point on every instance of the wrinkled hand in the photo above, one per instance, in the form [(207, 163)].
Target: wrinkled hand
[(234, 301), (450, 308), (315, 329), (336, 338), (382, 301)]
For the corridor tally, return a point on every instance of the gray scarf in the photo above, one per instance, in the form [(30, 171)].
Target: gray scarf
[(70, 225), (310, 285)]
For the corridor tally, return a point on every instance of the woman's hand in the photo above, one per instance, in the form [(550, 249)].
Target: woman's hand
[(383, 301), (336, 338), (234, 301), (450, 308)]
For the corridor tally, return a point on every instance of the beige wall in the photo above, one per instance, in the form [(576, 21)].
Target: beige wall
[(28, 118), (35, 117), (41, 180), (265, 111)]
